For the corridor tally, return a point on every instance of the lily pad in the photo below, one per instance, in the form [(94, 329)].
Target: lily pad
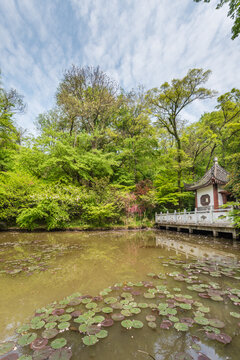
[(50, 325), (58, 343), (142, 305), (150, 318), (38, 325), (117, 317), (107, 322), (23, 328), (39, 343), (90, 340), (64, 318), (42, 354), (6, 347), (25, 357), (135, 310), (98, 319), (216, 323), (201, 320), (127, 324), (12, 356), (102, 334), (181, 326), (152, 324), (166, 324), (49, 333), (235, 314), (27, 339), (137, 324), (63, 325), (61, 354), (107, 310)]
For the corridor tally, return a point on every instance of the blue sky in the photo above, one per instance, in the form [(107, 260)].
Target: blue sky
[(137, 42)]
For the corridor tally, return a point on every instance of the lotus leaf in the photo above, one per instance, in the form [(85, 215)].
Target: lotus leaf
[(149, 296), (27, 339), (38, 344), (61, 354), (102, 334), (126, 313), (63, 325), (142, 305), (201, 320), (173, 318), (181, 326), (136, 324), (90, 340), (135, 310), (49, 333), (42, 354), (50, 325), (93, 329), (70, 310), (23, 328), (216, 323), (25, 357), (12, 356), (80, 319), (58, 343), (151, 318), (110, 300), (117, 317), (127, 324), (166, 324), (64, 318), (211, 329), (91, 305), (6, 347), (98, 319), (38, 325), (236, 315), (107, 310), (152, 324), (185, 306)]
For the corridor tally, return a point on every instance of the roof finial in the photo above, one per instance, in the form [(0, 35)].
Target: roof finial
[(215, 160)]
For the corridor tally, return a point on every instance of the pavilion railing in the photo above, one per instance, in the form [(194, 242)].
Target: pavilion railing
[(209, 216)]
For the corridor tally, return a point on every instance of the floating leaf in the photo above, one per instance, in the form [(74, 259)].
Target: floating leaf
[(102, 334), (61, 354), (23, 328), (107, 310), (25, 357), (90, 340), (49, 333), (216, 323), (50, 325), (236, 315), (135, 310), (173, 318), (6, 347), (63, 325), (201, 320), (142, 305), (64, 318), (98, 319), (42, 354), (150, 318), (38, 325), (58, 343), (117, 317), (107, 322), (27, 339), (137, 324), (166, 324), (38, 344), (185, 306), (12, 356), (181, 326), (152, 324), (127, 324)]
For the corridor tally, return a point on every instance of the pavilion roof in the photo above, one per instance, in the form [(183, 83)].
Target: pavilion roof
[(215, 175)]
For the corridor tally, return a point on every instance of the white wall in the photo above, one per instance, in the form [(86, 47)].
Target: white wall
[(220, 198), (204, 191)]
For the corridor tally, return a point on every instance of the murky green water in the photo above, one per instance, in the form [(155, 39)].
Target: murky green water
[(38, 269)]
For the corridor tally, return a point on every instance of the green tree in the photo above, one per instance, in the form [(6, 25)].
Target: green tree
[(167, 103), (233, 13)]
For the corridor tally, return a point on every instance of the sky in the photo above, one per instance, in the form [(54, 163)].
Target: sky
[(136, 42)]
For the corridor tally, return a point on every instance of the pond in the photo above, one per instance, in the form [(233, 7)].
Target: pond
[(123, 295)]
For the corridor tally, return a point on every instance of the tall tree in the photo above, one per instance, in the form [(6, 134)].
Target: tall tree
[(88, 97), (167, 103), (233, 12)]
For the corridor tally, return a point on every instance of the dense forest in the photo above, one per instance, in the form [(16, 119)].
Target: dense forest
[(106, 157)]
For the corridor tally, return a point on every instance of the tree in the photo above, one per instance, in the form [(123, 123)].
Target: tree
[(88, 97), (167, 102), (233, 13)]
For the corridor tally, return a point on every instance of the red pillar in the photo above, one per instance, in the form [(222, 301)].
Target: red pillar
[(196, 199), (215, 196)]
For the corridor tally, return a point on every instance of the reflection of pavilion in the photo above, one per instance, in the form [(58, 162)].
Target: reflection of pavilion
[(196, 251)]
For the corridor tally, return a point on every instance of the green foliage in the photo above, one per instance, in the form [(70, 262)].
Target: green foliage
[(233, 12), (48, 212)]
